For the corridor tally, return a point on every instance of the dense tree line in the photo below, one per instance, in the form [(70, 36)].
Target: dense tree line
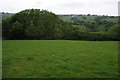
[(42, 24), (35, 24)]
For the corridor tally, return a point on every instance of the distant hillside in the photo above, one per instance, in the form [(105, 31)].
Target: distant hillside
[(5, 15), (42, 24), (92, 22), (70, 18), (87, 18)]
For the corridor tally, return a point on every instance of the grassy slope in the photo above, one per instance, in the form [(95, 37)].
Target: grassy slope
[(30, 58)]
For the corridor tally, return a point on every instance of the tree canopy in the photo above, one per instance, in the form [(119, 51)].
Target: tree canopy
[(28, 23), (42, 24)]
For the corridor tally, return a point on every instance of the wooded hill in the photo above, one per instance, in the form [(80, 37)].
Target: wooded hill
[(42, 24), (95, 23)]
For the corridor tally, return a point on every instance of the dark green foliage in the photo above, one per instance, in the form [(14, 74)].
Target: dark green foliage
[(87, 20), (42, 24), (31, 23), (114, 29), (97, 36), (6, 28)]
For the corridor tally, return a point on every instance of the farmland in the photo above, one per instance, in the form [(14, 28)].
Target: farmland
[(60, 58), (67, 18)]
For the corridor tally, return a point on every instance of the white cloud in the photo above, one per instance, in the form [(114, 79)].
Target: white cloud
[(104, 7)]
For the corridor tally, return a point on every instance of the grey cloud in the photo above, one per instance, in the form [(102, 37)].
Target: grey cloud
[(111, 2), (73, 4), (37, 4), (80, 4)]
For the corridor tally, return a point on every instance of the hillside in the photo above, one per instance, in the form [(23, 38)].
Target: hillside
[(5, 15), (68, 18), (87, 18), (71, 26), (100, 23)]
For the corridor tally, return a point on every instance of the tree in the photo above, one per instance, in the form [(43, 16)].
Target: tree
[(82, 28), (17, 30), (40, 22), (115, 29), (6, 28), (67, 30)]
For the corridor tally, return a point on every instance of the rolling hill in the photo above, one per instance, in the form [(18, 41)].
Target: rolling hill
[(68, 18), (87, 18), (100, 23)]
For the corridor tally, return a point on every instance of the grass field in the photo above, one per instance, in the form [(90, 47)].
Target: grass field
[(59, 58)]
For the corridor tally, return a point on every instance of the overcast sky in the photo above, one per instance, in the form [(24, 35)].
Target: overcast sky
[(100, 7)]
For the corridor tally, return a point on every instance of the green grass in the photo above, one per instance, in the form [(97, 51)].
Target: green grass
[(59, 58)]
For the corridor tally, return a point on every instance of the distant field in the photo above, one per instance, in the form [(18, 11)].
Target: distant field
[(59, 58)]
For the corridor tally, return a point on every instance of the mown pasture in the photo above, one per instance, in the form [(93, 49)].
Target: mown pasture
[(60, 58)]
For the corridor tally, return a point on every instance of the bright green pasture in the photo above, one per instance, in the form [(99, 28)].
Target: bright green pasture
[(60, 58)]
